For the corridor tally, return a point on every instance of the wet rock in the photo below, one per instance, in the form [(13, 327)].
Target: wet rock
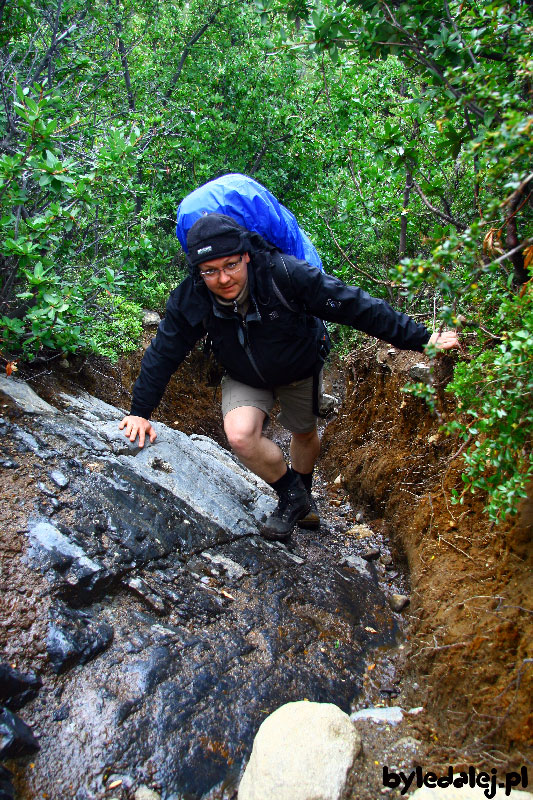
[(7, 790), (83, 577), (61, 714), (8, 463), (398, 602), (45, 490), (389, 691), (16, 738), (17, 688), (59, 479), (150, 597), (25, 397), (420, 372), (303, 751), (355, 562), (360, 530), (328, 404), (371, 554), (75, 637), (232, 569), (179, 698), (391, 715)]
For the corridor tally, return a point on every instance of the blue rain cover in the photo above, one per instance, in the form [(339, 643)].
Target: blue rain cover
[(253, 207)]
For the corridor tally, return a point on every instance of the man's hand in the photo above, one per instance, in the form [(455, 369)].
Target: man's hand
[(446, 340), (137, 426)]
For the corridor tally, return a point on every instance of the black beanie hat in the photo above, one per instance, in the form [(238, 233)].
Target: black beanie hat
[(214, 236)]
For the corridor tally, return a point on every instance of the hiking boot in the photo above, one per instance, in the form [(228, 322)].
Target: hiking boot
[(311, 521), (293, 504)]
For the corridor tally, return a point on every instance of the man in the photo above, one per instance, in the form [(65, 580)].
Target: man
[(262, 311)]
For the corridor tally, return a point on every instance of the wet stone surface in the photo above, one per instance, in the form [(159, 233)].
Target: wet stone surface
[(176, 628)]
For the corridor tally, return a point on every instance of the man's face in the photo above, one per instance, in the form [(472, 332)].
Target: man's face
[(226, 276)]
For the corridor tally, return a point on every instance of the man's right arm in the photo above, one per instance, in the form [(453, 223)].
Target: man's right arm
[(174, 339)]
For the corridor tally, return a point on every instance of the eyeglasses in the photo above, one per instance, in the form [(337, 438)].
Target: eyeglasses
[(212, 273)]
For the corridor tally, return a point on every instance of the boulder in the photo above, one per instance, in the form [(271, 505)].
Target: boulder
[(17, 688), (303, 751), (74, 637), (16, 738)]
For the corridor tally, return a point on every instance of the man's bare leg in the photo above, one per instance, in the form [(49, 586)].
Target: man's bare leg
[(244, 426), (305, 449), (244, 429)]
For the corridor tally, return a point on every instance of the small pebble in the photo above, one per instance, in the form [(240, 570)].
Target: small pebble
[(59, 479), (371, 554), (398, 602)]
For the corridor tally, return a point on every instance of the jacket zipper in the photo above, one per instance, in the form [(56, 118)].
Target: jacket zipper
[(245, 343)]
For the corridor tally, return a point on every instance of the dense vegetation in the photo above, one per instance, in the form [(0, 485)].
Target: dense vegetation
[(399, 134)]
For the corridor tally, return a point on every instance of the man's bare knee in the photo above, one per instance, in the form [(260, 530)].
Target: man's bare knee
[(243, 434), (305, 438)]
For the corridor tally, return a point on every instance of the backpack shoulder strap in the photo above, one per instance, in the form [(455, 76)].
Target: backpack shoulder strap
[(282, 284)]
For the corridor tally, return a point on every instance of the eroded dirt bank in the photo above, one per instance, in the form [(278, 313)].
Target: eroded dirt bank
[(471, 624)]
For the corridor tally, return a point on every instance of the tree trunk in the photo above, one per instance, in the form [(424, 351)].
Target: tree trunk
[(403, 225)]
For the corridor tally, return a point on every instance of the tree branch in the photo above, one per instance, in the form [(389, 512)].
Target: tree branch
[(192, 41), (347, 259), (437, 211)]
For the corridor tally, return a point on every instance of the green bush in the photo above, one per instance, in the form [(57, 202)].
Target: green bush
[(116, 328)]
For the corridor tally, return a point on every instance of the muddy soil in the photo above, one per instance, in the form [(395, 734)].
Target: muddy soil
[(470, 648)]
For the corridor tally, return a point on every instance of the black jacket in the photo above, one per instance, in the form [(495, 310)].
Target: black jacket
[(281, 339)]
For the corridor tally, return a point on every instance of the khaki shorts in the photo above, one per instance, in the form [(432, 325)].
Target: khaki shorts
[(295, 399)]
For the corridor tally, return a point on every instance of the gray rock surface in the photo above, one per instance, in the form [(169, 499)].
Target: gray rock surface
[(212, 626), (16, 738), (303, 751), (74, 637)]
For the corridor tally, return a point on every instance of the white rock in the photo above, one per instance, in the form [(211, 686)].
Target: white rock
[(151, 319), (390, 714), (144, 793), (303, 751)]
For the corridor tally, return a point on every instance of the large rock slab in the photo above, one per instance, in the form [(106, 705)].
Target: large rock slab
[(212, 627), (303, 751)]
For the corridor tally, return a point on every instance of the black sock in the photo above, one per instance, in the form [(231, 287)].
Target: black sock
[(284, 482), (307, 479)]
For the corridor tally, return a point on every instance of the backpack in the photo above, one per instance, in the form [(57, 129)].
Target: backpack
[(252, 206)]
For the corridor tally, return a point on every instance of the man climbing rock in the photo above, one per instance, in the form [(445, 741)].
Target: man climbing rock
[(262, 310)]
